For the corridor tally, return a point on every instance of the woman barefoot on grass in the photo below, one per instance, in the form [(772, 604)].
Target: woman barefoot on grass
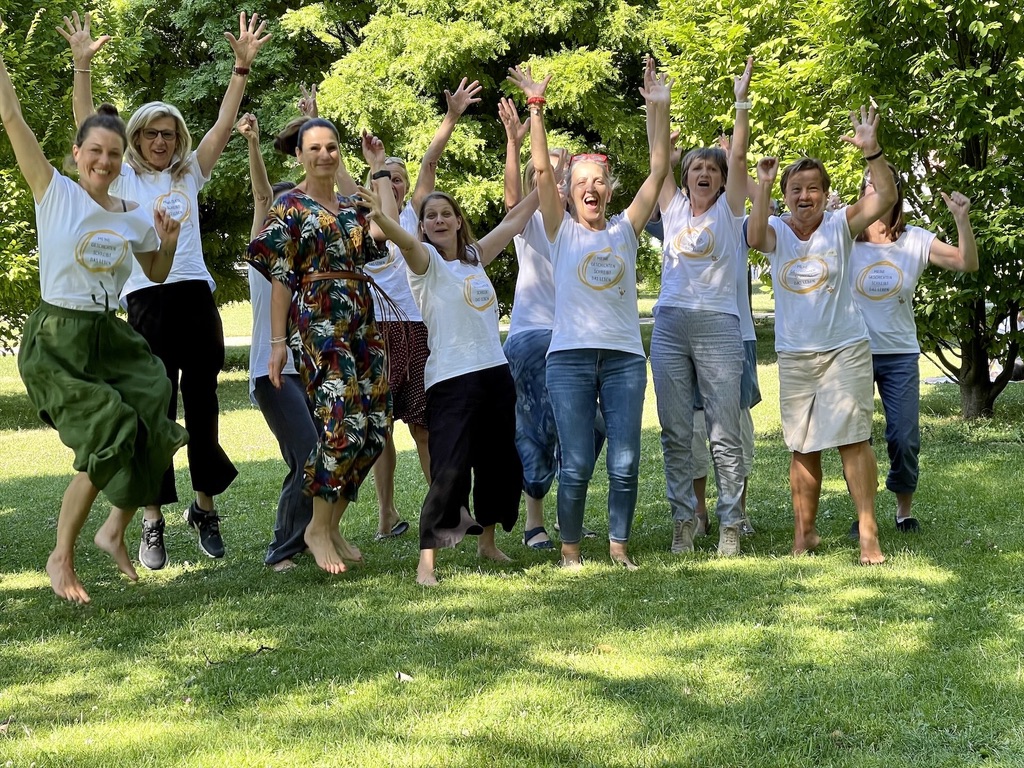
[(87, 373)]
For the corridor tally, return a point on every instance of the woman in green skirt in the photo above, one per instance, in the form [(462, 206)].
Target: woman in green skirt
[(87, 373)]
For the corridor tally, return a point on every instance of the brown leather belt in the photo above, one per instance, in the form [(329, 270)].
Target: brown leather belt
[(312, 277)]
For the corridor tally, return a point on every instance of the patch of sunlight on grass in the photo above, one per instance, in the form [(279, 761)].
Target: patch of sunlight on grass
[(23, 580)]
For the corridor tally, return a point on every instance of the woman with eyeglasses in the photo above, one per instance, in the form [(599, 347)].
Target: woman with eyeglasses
[(888, 259), (178, 318), (596, 359), (470, 393), (404, 331), (697, 339), (826, 395), (87, 373)]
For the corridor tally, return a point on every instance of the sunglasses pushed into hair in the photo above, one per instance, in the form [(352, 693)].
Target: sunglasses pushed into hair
[(394, 161), (590, 158)]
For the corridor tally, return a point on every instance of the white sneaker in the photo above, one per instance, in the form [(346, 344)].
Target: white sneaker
[(729, 541)]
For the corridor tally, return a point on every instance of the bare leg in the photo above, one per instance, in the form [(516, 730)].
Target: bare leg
[(700, 490), (861, 472), (60, 566), (903, 502), (620, 555), (425, 569), (487, 548), (571, 556), (110, 538), (420, 435), (535, 519), (318, 537), (384, 482), (204, 502), (805, 483), (152, 512), (349, 553)]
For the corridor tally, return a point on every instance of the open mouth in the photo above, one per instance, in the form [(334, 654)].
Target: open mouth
[(591, 201)]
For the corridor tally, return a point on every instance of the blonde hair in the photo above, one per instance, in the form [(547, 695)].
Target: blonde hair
[(144, 117)]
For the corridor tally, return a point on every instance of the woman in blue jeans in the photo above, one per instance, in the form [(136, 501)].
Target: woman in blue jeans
[(697, 338), (887, 260), (596, 357)]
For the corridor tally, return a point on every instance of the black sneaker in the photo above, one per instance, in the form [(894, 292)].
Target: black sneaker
[(151, 550), (208, 525)]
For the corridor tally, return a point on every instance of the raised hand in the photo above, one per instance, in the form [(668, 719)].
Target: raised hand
[(464, 95), (741, 84), (77, 30), (251, 37), (865, 130), (522, 78), (307, 102), (515, 131), (373, 150), (767, 169), (167, 227), (248, 127), (369, 201), (657, 88), (959, 205)]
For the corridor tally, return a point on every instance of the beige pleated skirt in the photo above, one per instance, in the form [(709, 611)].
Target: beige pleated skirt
[(826, 398)]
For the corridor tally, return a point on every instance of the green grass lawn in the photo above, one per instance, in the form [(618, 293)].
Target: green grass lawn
[(761, 660)]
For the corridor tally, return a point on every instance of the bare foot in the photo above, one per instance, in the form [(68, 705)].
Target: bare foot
[(619, 555), (283, 565), (322, 548), (387, 521), (64, 580), (806, 544), (425, 576), (491, 552), (870, 551), (111, 540), (348, 552)]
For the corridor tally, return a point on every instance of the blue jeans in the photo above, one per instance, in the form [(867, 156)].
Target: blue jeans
[(691, 348), (288, 415), (579, 382), (899, 387), (536, 435)]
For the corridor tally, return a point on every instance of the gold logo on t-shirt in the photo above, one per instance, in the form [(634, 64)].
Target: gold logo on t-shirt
[(175, 203), (695, 243), (804, 275), (879, 281), (478, 292), (101, 250), (602, 269)]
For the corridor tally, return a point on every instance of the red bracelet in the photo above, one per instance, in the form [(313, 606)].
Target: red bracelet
[(241, 71), (536, 100)]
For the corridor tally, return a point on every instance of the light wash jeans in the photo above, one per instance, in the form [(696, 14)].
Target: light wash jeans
[(536, 435), (579, 382), (689, 348)]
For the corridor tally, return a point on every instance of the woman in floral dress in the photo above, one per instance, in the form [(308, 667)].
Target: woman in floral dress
[(312, 247)]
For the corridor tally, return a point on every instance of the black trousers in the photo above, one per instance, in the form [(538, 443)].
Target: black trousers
[(472, 423), (181, 323)]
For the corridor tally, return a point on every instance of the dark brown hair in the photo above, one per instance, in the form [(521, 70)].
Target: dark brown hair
[(288, 139), (105, 117), (895, 225)]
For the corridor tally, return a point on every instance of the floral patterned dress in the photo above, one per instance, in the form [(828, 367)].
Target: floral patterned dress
[(331, 333)]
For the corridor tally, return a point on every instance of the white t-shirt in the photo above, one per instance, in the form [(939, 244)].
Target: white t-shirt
[(699, 256), (180, 199), (595, 287), (86, 252), (883, 277), (460, 310), (390, 273), (259, 350), (534, 305), (814, 306)]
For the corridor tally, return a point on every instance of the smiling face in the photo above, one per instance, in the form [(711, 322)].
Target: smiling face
[(99, 158), (441, 225), (590, 190), (319, 153), (157, 141), (805, 195)]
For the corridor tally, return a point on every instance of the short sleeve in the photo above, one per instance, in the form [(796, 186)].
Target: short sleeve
[(275, 251), (147, 242)]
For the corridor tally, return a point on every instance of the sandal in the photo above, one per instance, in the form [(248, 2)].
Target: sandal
[(533, 533)]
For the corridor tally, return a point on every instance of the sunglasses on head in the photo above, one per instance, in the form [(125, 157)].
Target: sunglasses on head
[(394, 161), (590, 158)]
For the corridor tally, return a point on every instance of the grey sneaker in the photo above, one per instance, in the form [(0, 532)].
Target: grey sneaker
[(151, 549), (208, 526), (729, 541), (746, 529), (682, 536)]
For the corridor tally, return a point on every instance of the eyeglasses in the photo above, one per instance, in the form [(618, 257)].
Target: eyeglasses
[(590, 158), (151, 133)]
